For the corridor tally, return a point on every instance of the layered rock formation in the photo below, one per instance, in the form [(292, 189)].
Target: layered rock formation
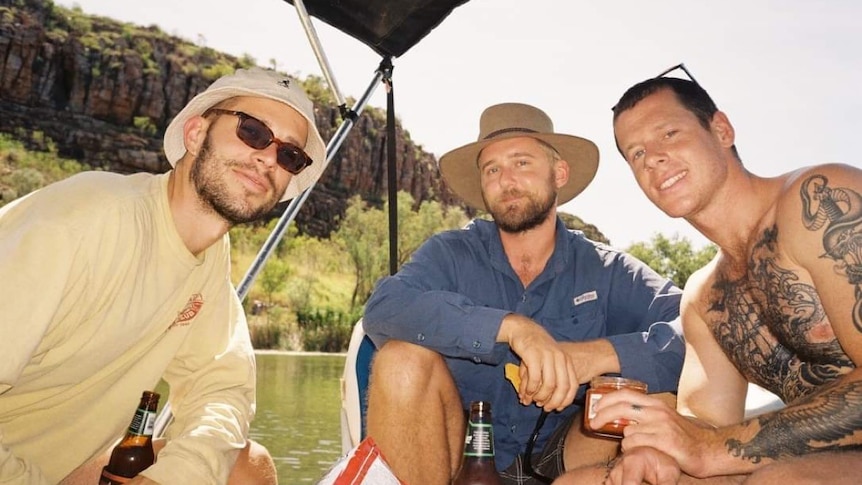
[(104, 92)]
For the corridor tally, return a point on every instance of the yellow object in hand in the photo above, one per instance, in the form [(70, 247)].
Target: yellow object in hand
[(513, 375)]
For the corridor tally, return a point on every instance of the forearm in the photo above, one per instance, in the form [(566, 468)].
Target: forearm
[(444, 321), (593, 358), (830, 420)]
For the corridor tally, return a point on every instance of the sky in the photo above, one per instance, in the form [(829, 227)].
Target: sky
[(788, 73)]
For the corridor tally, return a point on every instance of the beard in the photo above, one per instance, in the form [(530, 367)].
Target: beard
[(208, 177), (513, 220)]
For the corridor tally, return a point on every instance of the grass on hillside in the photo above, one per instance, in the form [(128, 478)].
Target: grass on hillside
[(300, 300), (23, 171)]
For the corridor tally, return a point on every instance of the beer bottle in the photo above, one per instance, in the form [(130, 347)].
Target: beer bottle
[(478, 467), (135, 452)]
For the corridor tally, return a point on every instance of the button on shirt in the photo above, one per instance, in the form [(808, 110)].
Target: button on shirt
[(453, 294)]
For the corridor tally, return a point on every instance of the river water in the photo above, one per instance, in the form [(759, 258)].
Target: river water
[(298, 413)]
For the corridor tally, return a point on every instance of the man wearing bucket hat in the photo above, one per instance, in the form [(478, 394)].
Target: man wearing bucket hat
[(112, 282), (524, 290)]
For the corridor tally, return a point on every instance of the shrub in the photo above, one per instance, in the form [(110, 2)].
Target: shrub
[(268, 332), (326, 330)]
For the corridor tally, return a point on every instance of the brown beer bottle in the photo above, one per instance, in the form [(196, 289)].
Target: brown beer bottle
[(135, 452), (478, 467)]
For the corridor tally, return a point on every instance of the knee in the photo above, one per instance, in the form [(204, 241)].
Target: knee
[(254, 466), (405, 366)]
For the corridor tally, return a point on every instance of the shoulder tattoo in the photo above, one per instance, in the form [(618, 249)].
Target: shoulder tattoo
[(839, 211)]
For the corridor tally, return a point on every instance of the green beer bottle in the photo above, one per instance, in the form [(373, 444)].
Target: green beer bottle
[(478, 467)]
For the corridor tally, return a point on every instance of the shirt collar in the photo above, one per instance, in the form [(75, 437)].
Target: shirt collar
[(557, 262)]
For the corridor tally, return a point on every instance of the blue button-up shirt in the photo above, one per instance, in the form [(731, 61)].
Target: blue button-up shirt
[(453, 294)]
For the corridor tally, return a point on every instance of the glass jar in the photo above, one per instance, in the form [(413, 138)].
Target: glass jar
[(599, 386)]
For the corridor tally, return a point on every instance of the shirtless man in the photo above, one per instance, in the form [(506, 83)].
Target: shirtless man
[(779, 306)]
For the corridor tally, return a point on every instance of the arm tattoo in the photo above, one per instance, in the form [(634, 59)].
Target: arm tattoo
[(825, 413), (840, 210), (819, 423)]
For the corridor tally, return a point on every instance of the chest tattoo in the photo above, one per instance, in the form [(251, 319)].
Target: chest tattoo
[(773, 326), (770, 322)]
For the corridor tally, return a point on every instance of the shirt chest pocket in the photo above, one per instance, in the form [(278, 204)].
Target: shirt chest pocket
[(585, 321)]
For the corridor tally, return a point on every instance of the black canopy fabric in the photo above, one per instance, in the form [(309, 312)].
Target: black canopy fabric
[(390, 27)]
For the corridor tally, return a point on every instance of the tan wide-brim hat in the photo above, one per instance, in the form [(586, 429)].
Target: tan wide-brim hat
[(511, 120), (261, 83)]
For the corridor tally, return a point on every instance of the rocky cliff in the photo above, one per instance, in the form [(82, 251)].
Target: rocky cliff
[(104, 91)]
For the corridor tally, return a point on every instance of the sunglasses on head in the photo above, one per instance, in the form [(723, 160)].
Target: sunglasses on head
[(257, 135), (680, 66)]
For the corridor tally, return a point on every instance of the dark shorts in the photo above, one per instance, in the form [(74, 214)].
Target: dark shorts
[(549, 462)]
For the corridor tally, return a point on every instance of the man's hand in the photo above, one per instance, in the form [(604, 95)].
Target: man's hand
[(654, 424), (644, 465), (592, 358), (548, 375)]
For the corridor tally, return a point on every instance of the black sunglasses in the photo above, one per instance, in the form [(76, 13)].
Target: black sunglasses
[(680, 66), (257, 135)]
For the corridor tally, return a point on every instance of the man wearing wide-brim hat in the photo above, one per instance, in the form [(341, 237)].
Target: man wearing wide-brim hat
[(522, 289)]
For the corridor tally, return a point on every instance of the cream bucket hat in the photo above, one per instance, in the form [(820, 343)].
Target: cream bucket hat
[(261, 83)]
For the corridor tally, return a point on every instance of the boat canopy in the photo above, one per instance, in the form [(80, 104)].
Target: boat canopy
[(388, 27)]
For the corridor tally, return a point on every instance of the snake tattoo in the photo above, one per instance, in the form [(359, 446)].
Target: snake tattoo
[(840, 210)]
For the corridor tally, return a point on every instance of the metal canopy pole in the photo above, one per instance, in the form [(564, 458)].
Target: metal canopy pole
[(290, 213), (165, 416), (316, 47)]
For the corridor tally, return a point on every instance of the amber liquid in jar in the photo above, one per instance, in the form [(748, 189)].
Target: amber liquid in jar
[(599, 386)]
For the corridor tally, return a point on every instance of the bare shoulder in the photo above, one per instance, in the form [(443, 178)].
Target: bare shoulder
[(815, 204), (811, 184), (695, 297)]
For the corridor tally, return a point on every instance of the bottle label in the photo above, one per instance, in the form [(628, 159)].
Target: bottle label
[(480, 440), (143, 424), (109, 478)]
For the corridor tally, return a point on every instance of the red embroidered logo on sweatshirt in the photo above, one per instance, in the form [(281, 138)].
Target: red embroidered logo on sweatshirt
[(188, 313)]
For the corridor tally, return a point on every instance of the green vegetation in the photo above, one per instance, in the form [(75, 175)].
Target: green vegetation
[(364, 236), (674, 258), (111, 45), (146, 125), (23, 171), (311, 291)]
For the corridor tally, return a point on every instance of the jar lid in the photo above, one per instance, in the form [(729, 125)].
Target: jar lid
[(616, 382)]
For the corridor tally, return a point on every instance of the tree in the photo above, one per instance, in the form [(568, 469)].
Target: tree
[(274, 277), (364, 236), (674, 258)]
